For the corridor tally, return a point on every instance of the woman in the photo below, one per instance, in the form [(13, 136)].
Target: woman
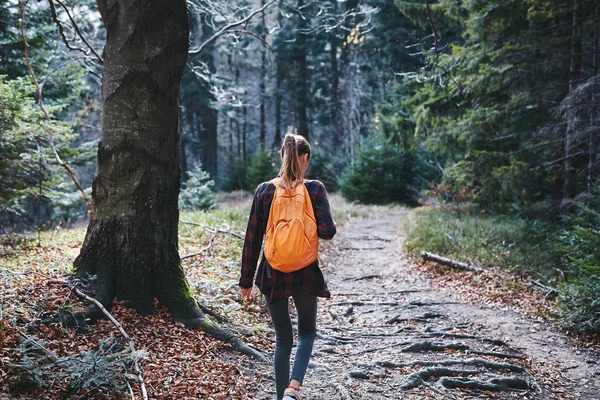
[(304, 285)]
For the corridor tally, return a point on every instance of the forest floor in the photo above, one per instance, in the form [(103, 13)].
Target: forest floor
[(392, 324)]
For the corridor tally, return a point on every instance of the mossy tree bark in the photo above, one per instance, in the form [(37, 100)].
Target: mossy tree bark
[(131, 243)]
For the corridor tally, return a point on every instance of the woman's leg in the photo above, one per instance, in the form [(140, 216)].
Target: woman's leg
[(283, 343), (306, 305)]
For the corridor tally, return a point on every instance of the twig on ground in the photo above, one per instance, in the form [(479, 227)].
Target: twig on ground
[(207, 248), (548, 289), (116, 323)]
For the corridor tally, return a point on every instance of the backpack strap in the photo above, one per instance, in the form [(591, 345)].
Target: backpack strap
[(279, 183)]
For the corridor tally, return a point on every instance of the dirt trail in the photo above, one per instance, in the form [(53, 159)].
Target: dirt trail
[(386, 328)]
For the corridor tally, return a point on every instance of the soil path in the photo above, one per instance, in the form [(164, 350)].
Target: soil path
[(388, 334)]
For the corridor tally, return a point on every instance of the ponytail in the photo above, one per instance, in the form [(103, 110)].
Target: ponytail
[(293, 147)]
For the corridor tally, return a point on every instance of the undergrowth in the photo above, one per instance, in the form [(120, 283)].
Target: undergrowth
[(564, 256), (488, 240)]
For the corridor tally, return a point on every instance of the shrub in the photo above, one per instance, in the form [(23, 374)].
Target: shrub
[(485, 239), (385, 174), (197, 191), (580, 304), (237, 178), (262, 169), (27, 166), (325, 166), (579, 247)]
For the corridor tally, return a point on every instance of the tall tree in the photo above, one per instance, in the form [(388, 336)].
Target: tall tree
[(131, 243)]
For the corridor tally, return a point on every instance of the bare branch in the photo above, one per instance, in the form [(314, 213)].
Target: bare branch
[(78, 31), (228, 27), (435, 34), (116, 323)]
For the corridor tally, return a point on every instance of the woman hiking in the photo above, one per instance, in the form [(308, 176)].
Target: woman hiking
[(290, 246)]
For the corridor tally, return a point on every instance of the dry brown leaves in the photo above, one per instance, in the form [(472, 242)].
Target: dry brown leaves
[(181, 363)]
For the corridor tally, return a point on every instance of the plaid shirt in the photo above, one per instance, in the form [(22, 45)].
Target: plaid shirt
[(276, 285)]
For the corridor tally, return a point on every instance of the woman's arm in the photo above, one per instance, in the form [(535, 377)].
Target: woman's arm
[(253, 240), (326, 227)]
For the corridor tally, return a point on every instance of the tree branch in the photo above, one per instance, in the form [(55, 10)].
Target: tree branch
[(435, 34), (227, 27), (78, 31)]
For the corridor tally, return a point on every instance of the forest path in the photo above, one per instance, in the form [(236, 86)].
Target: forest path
[(384, 311)]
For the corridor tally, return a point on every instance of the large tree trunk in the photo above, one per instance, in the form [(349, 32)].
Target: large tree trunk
[(131, 243)]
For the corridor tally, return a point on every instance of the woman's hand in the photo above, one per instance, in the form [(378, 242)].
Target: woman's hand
[(246, 293)]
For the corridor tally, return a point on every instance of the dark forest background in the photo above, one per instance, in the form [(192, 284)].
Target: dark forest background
[(485, 113)]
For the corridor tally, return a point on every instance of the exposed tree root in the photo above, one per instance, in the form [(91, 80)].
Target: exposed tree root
[(497, 342), (421, 318), (478, 362), (370, 238), (366, 303), (97, 311), (493, 385), (418, 303), (365, 277), (429, 346), (374, 349), (418, 378), (226, 336), (336, 339), (365, 375)]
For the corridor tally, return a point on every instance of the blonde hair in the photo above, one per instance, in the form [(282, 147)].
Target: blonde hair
[(292, 148)]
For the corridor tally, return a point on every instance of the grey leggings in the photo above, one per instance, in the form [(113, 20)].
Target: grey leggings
[(306, 306)]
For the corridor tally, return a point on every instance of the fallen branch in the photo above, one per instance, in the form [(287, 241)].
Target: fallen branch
[(452, 263), (116, 323), (207, 248), (548, 289), (213, 230)]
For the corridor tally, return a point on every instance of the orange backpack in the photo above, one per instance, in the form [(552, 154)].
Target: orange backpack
[(291, 241)]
